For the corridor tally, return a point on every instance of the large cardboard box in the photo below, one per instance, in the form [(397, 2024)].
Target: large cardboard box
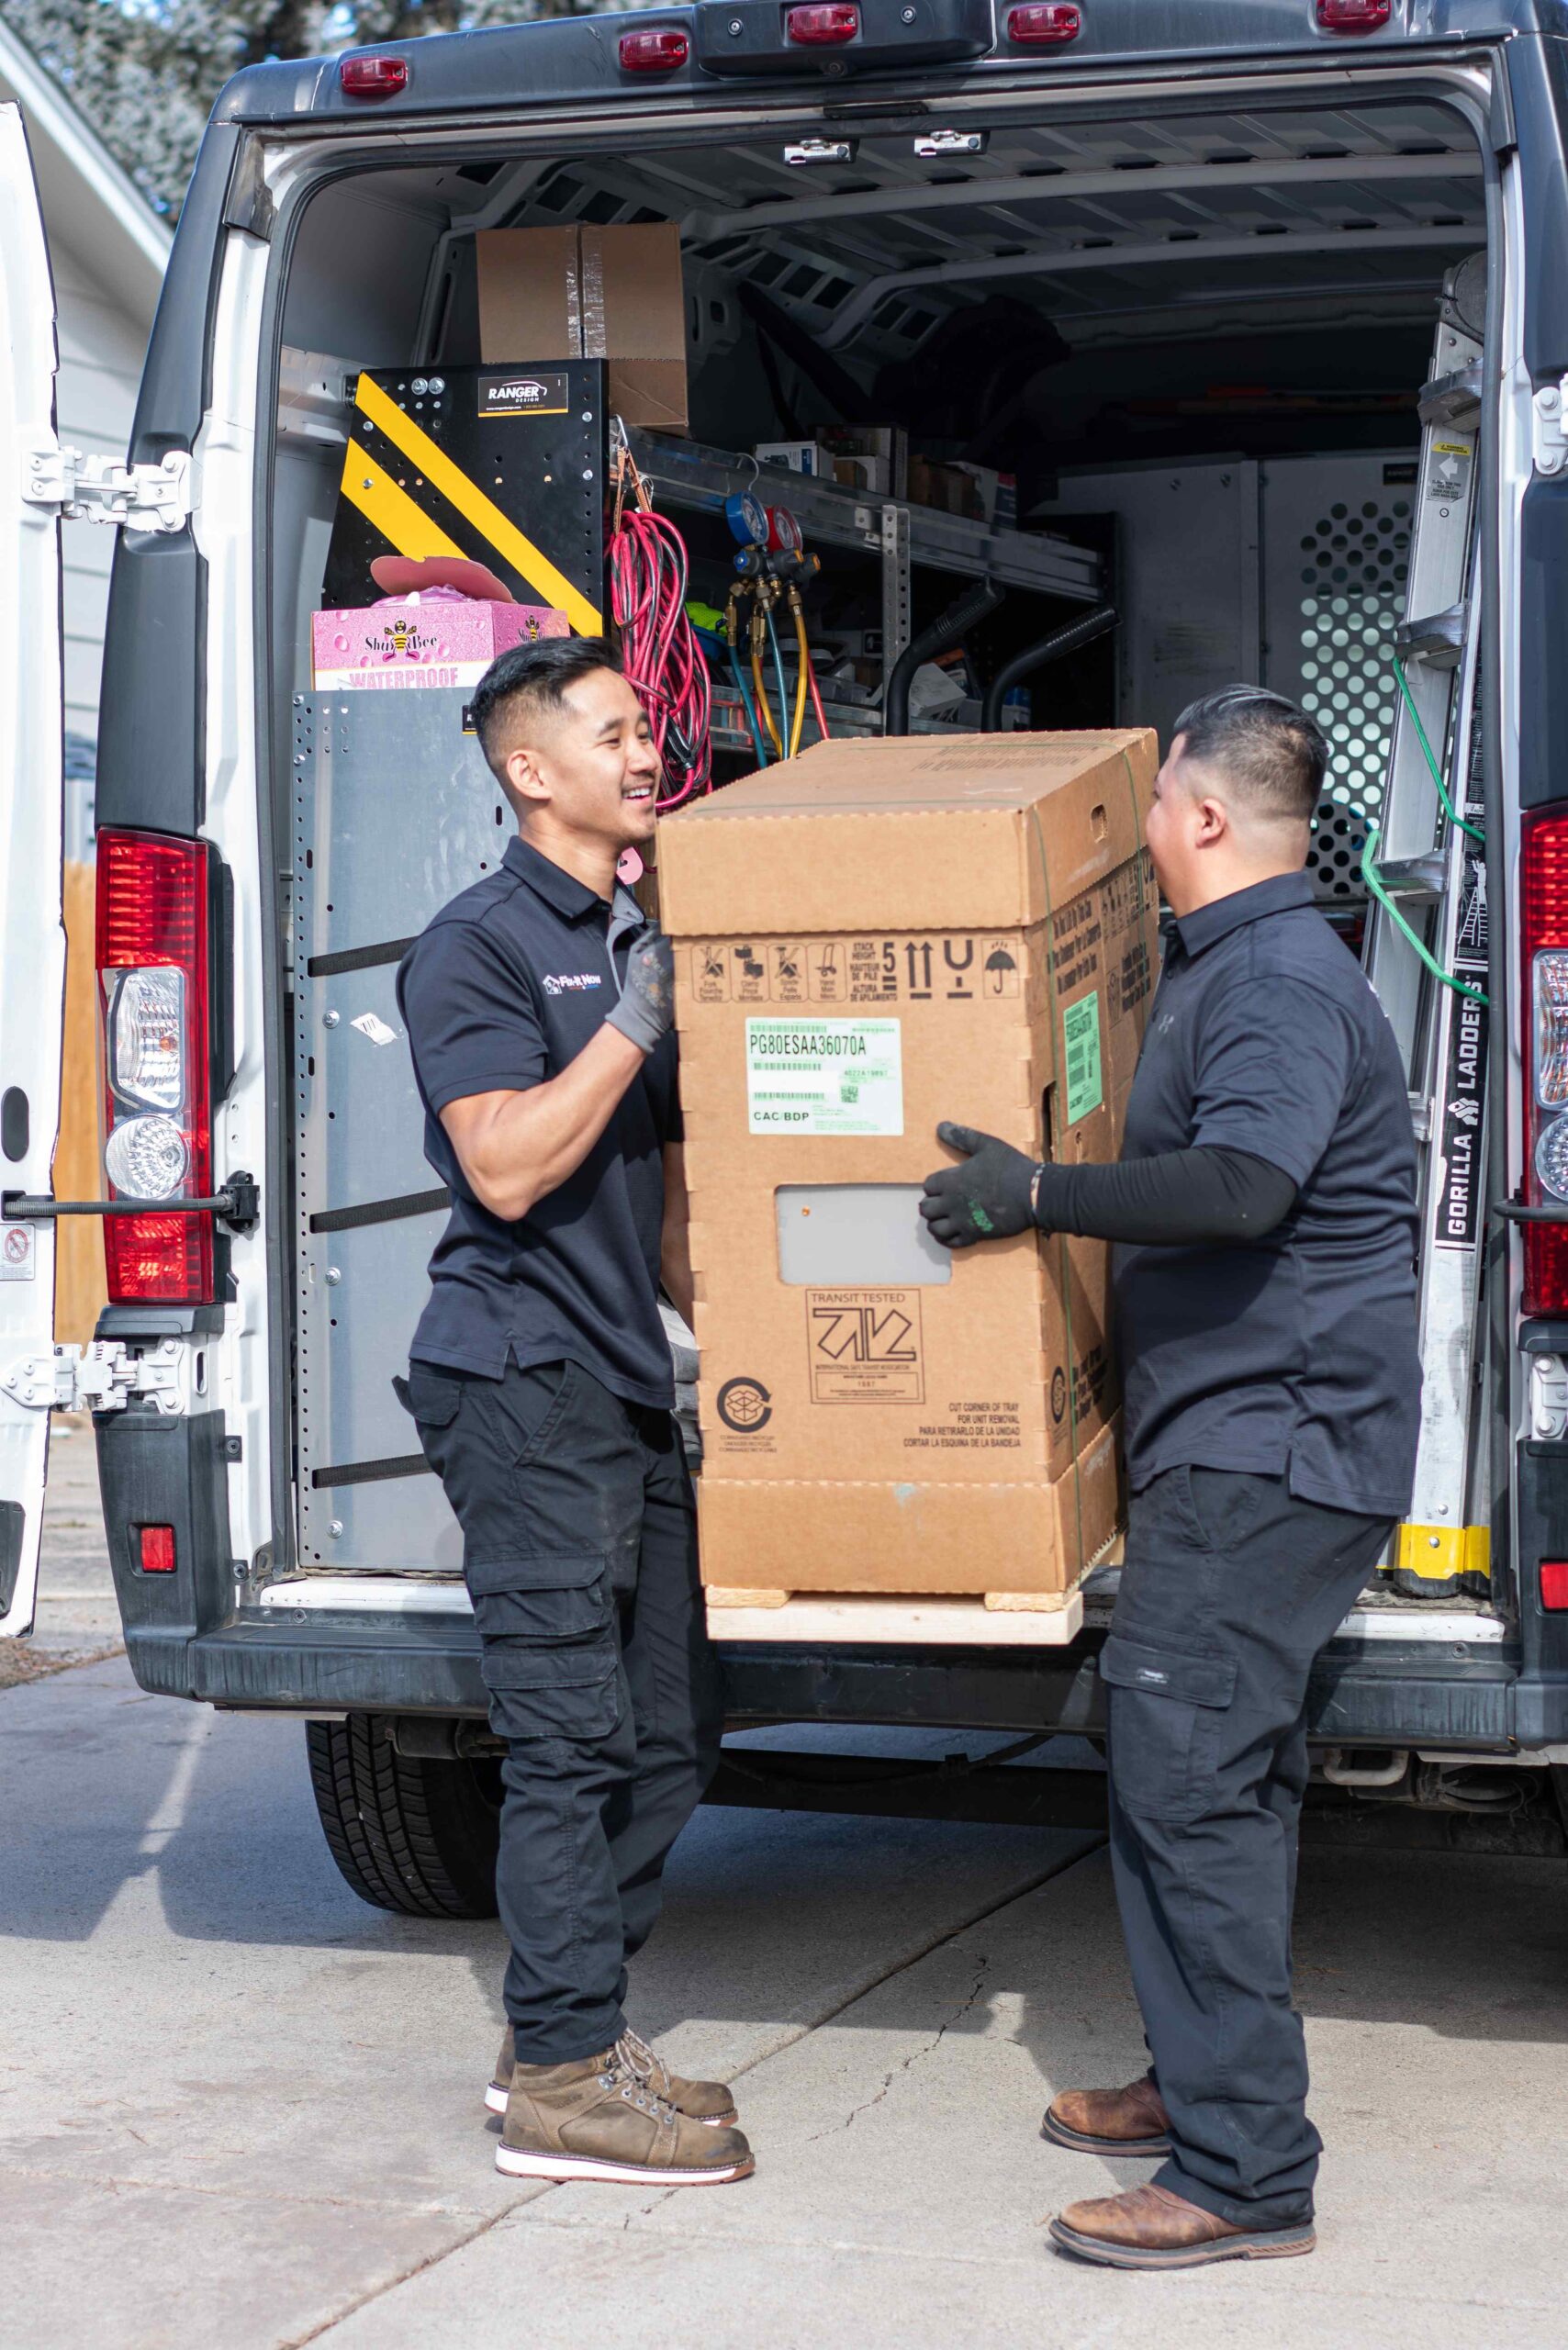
[(870, 938), (584, 292)]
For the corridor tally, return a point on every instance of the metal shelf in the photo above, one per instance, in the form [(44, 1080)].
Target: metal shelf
[(847, 721), (685, 474)]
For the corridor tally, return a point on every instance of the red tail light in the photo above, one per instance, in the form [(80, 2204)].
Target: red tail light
[(1044, 24), (1543, 921), (822, 28), (157, 1544), (1353, 15), (654, 52), (373, 77), (157, 1062)]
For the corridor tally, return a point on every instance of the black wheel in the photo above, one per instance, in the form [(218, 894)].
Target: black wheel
[(407, 1833)]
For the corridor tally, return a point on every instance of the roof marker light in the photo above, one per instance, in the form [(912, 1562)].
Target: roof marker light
[(373, 77), (1353, 15), (1044, 24), (654, 52), (825, 26)]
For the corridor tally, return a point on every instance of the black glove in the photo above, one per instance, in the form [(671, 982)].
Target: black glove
[(986, 1198), (646, 1009)]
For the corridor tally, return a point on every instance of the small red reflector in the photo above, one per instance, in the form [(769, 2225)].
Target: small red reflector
[(1554, 1583), (655, 52), (157, 1549), (373, 77), (822, 28), (1041, 23), (1353, 15)]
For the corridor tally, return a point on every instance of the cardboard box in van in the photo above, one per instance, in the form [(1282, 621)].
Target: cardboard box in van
[(870, 938), (586, 292)]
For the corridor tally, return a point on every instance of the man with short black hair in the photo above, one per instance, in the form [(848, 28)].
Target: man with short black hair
[(1265, 1208), (539, 1006)]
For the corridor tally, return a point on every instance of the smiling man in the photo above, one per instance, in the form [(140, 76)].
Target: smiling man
[(539, 1007)]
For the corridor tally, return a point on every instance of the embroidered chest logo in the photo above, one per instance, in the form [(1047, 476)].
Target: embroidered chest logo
[(571, 982)]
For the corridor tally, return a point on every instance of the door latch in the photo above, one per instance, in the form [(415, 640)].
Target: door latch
[(100, 489)]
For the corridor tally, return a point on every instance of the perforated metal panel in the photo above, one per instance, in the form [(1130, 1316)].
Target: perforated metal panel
[(394, 813), (1336, 561)]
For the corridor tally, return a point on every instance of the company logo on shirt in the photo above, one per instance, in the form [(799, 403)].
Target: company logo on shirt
[(571, 982)]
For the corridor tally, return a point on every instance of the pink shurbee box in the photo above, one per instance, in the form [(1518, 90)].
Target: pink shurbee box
[(436, 638)]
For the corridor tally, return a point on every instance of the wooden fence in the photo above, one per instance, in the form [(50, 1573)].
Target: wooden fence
[(79, 1293)]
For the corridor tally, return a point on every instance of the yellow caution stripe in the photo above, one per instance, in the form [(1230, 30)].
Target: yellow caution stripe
[(1438, 1554), (471, 502), (404, 525)]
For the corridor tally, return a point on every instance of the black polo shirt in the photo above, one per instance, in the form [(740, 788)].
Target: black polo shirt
[(499, 993), (1297, 1354)]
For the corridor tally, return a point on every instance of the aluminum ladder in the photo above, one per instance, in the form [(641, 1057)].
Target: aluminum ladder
[(1435, 871)]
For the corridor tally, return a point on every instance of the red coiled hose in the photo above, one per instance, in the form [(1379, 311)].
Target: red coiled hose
[(648, 573)]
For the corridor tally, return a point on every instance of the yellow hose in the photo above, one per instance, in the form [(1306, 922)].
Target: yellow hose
[(803, 679), (764, 705)]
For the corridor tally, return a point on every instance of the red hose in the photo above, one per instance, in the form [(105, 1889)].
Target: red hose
[(648, 573), (817, 702)]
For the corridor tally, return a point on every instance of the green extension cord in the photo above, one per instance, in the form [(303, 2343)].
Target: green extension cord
[(1437, 774), (1369, 874), (1371, 877)]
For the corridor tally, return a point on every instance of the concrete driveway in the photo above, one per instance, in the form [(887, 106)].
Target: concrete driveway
[(239, 2107)]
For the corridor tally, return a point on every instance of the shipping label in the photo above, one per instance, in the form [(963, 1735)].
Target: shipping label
[(864, 1346), (824, 1077), (1081, 1056)]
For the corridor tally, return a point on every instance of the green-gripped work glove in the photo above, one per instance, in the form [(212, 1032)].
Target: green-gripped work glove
[(646, 1010), (988, 1196)]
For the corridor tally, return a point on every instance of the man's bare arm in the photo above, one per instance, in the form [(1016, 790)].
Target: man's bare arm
[(675, 1242), (516, 1149)]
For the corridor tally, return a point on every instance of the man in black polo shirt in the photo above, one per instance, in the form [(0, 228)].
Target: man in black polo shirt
[(1265, 1204), (539, 1008)]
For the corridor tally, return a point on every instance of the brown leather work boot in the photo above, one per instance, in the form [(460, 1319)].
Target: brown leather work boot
[(1151, 2227), (1110, 2121), (598, 2119), (710, 2101)]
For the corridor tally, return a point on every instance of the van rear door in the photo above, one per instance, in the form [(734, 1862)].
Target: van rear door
[(32, 937)]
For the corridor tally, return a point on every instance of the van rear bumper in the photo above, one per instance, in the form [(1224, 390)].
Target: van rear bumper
[(1404, 1695)]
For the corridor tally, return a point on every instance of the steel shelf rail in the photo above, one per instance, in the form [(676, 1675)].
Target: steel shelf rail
[(684, 474)]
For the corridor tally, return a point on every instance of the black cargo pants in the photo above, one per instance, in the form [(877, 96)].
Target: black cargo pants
[(580, 1555), (1231, 1587)]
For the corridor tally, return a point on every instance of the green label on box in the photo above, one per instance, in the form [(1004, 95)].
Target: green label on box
[(824, 1077), (1081, 1034)]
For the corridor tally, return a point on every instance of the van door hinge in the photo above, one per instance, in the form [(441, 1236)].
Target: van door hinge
[(1550, 439), (99, 489), (100, 1377)]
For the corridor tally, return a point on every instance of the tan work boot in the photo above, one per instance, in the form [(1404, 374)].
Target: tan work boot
[(1151, 2227), (710, 2101), (1110, 2121), (598, 2119)]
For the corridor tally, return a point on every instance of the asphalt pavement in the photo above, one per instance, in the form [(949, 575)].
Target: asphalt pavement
[(238, 2106)]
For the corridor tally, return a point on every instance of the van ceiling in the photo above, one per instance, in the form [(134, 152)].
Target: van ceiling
[(1170, 227)]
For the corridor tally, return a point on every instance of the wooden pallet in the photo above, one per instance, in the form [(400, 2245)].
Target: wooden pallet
[(990, 1619)]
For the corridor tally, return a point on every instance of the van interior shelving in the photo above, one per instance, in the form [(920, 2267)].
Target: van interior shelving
[(1197, 340)]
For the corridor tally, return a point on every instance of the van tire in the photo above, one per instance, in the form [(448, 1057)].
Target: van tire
[(408, 1831)]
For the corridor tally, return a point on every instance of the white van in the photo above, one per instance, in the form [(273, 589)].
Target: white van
[(1261, 305)]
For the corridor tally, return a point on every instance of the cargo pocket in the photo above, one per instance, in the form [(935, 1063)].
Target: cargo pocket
[(433, 1398), (1165, 1714), (547, 1646)]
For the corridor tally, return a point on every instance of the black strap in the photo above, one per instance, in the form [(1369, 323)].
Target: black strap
[(372, 1472), (357, 958), (381, 1211)]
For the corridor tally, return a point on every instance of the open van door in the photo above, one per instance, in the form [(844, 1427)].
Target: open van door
[(32, 936)]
